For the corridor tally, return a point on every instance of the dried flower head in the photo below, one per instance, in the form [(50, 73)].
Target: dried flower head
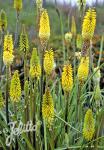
[(85, 48)]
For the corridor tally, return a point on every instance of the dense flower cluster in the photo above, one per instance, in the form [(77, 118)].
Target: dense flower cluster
[(35, 68), (18, 4), (15, 88), (8, 50), (24, 43), (3, 20), (48, 61), (83, 69), (44, 30), (1, 100), (48, 107), (89, 24), (67, 78), (89, 126)]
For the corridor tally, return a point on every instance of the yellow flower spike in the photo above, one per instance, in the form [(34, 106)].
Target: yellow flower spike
[(73, 26), (35, 68), (48, 108), (8, 50), (1, 100), (44, 30), (24, 43), (18, 4), (83, 69), (48, 61), (3, 20), (67, 78), (15, 88), (89, 24), (89, 125)]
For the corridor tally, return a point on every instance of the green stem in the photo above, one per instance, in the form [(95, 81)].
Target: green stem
[(16, 32), (66, 111), (1, 52), (42, 82), (7, 93), (101, 49), (79, 103), (74, 49), (45, 135), (25, 67), (26, 97), (67, 123), (15, 110), (34, 110), (31, 104), (62, 31)]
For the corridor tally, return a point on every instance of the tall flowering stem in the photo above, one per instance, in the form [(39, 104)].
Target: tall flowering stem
[(3, 27), (74, 32), (88, 28), (81, 7), (83, 72), (67, 84), (7, 59), (24, 48), (44, 34), (35, 74), (7, 93), (15, 94), (26, 94), (39, 4), (18, 7), (48, 108)]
